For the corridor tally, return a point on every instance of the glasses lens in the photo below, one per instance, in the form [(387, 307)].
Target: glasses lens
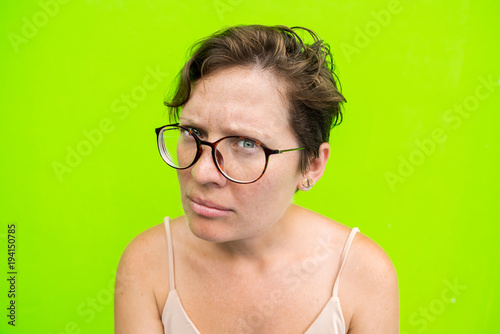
[(241, 159), (178, 147)]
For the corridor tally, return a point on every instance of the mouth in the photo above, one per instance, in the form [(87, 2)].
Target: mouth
[(207, 208)]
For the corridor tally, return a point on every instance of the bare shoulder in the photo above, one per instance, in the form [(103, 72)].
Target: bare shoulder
[(368, 284), (146, 241), (320, 223), (142, 283), (370, 279), (145, 252), (365, 255), (368, 255)]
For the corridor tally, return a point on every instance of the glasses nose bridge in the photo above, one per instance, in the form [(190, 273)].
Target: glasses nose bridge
[(214, 156), (213, 146)]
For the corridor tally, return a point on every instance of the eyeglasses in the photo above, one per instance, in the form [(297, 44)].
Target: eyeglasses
[(239, 159)]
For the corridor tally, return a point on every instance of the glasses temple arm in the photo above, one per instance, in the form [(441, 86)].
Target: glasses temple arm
[(291, 149)]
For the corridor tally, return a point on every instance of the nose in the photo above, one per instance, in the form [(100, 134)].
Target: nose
[(204, 170)]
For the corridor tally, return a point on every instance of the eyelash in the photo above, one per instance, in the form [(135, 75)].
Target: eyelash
[(196, 131), (200, 134)]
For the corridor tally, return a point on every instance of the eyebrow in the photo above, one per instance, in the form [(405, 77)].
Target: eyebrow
[(238, 130), (230, 130)]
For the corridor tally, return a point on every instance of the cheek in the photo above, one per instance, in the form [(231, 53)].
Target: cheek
[(284, 169), (266, 203), (274, 190), (183, 178)]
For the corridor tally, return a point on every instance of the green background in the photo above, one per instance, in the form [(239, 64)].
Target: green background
[(410, 169)]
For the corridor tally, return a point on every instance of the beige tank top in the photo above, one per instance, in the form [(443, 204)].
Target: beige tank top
[(176, 321)]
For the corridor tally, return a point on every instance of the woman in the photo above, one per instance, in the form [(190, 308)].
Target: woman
[(252, 116)]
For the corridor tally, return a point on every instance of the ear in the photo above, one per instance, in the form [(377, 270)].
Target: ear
[(316, 167)]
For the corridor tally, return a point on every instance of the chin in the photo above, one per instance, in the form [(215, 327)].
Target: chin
[(212, 230)]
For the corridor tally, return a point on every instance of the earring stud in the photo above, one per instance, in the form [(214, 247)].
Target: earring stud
[(307, 184)]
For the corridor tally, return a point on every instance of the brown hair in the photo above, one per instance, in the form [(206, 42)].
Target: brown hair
[(313, 98)]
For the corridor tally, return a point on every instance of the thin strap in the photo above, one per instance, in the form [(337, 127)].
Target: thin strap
[(170, 254), (343, 258)]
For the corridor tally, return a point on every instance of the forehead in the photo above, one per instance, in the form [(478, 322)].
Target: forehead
[(237, 98)]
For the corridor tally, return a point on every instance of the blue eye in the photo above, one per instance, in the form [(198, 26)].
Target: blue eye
[(194, 131), (247, 143)]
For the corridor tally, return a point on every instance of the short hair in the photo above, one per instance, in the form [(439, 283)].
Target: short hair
[(314, 102)]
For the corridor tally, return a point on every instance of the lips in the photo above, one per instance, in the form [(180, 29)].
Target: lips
[(207, 208)]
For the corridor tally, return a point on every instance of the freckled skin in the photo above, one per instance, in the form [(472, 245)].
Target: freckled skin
[(240, 101)]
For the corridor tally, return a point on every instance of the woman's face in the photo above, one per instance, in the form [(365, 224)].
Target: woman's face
[(243, 102)]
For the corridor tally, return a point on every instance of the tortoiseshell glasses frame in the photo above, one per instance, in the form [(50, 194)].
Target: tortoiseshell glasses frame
[(216, 155)]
